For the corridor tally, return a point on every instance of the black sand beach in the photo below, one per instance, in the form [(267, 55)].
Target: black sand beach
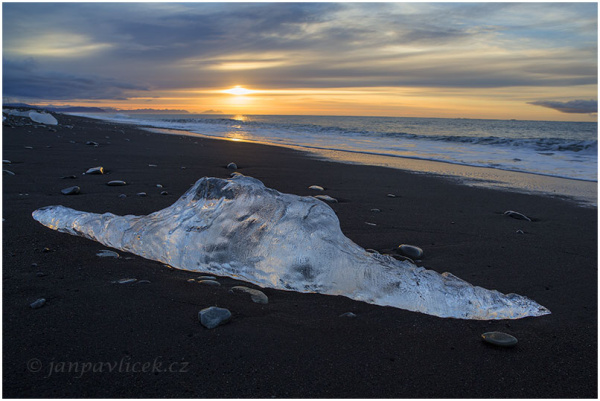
[(296, 345)]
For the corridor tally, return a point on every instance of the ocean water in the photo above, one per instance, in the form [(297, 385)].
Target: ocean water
[(558, 149)]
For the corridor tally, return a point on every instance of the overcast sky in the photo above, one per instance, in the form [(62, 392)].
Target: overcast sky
[(489, 60)]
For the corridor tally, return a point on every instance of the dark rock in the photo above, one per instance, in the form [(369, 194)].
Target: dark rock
[(348, 314), (164, 193), (256, 296), (413, 252), (316, 188), (214, 316), (70, 177), (516, 215), (500, 339), (95, 170), (38, 303), (326, 198), (142, 194), (116, 183), (105, 253), (7, 172), (71, 190), (232, 166), (210, 283), (92, 143)]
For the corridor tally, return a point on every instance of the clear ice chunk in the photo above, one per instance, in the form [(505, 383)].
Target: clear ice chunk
[(239, 228)]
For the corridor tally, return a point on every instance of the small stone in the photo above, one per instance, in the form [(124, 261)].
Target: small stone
[(127, 281), (376, 210), (38, 303), (316, 188), (40, 274), (210, 282), (191, 280), (391, 195), (122, 196), (232, 166), (34, 265), (256, 296), (214, 316), (6, 162), (92, 143), (158, 186), (143, 282), (499, 338), (71, 190), (116, 183), (206, 278), (152, 165), (348, 314), (413, 252), (7, 172), (516, 215), (46, 250), (70, 177), (164, 193), (95, 170), (370, 224), (28, 147), (142, 194), (326, 198), (520, 232), (105, 253)]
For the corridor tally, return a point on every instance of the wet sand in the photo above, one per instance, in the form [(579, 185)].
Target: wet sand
[(144, 340)]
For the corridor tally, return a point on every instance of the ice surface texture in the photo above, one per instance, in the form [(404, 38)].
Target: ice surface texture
[(242, 229)]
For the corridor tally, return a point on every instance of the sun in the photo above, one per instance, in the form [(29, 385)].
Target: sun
[(238, 91)]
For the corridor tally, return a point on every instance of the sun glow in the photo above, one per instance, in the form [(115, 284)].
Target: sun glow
[(238, 91)]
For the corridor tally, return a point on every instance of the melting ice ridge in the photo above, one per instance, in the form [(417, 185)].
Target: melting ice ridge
[(242, 229)]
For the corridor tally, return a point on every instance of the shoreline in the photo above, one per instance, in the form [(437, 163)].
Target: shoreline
[(582, 192), (297, 345)]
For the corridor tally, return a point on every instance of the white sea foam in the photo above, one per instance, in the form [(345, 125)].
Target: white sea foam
[(240, 228)]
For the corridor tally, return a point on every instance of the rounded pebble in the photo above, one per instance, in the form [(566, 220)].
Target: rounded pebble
[(115, 183), (142, 194), (210, 282), (206, 278), (516, 215), (326, 198), (164, 193), (316, 188), (71, 190), (348, 314), (214, 316), (413, 252), (105, 253), (95, 170), (127, 280), (256, 296), (499, 338), (38, 303), (232, 166)]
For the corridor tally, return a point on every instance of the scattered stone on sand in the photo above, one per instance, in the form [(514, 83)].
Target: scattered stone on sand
[(206, 278), (7, 172), (376, 210), (348, 314), (370, 224), (46, 250), (152, 165), (95, 170), (38, 303), (413, 252), (70, 177), (516, 215), (326, 198), (214, 316), (391, 195), (191, 280), (34, 265), (142, 194), (143, 282), (6, 162), (209, 282), (92, 143), (520, 232), (105, 253), (127, 281), (40, 274), (316, 188), (232, 166), (158, 186), (28, 147), (122, 196), (71, 190), (164, 193), (500, 339), (182, 167), (116, 183), (256, 296)]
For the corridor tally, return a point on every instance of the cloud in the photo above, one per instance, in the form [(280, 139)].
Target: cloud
[(25, 79), (572, 106)]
